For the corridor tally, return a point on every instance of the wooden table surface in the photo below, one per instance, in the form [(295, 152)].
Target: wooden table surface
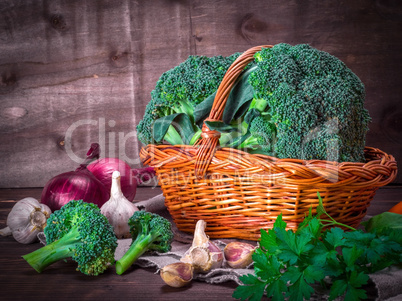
[(60, 281)]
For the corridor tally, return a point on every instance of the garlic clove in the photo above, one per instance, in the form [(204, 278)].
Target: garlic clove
[(200, 258), (6, 231), (216, 254), (177, 274), (26, 219), (25, 234), (204, 260), (204, 255), (238, 255), (200, 238), (118, 209)]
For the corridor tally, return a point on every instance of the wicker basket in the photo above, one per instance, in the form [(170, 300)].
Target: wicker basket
[(238, 193)]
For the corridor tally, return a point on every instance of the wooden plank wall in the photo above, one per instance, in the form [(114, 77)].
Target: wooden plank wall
[(75, 72)]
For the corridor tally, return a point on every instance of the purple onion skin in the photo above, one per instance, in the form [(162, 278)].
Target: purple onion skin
[(80, 184), (143, 174), (74, 185), (103, 168)]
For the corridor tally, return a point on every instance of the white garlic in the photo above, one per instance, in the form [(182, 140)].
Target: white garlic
[(118, 209), (203, 254), (26, 219), (177, 274)]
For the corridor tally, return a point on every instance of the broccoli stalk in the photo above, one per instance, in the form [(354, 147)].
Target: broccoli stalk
[(259, 104), (58, 250), (138, 247), (150, 232), (78, 231)]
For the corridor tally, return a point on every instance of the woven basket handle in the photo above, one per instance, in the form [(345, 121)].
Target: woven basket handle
[(210, 139)]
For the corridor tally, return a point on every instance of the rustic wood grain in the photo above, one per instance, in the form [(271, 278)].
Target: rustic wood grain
[(88, 67), (18, 281)]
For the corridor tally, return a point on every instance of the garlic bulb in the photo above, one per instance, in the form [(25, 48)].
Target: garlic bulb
[(118, 209), (203, 254), (238, 255), (177, 274), (26, 219)]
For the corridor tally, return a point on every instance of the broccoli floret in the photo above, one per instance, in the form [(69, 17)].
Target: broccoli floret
[(79, 231), (262, 136), (144, 127), (316, 102), (150, 232), (180, 90)]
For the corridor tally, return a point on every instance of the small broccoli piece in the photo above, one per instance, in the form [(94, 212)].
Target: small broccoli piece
[(262, 136), (180, 90), (150, 232), (79, 231)]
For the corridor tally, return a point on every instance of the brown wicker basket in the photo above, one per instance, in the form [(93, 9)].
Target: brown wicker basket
[(238, 193)]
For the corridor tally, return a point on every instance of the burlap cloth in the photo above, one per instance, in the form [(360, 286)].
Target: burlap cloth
[(383, 285)]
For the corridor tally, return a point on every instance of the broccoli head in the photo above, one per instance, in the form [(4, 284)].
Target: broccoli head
[(79, 231), (180, 90), (150, 232), (315, 101), (310, 104)]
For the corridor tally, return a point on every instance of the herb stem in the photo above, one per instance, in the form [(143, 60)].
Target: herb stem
[(332, 222)]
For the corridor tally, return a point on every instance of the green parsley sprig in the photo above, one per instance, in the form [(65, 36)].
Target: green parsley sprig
[(288, 264)]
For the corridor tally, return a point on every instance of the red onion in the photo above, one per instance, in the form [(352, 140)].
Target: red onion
[(143, 174), (80, 184), (103, 169)]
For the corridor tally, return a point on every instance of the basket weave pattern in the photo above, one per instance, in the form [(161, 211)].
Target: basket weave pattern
[(243, 193), (238, 193)]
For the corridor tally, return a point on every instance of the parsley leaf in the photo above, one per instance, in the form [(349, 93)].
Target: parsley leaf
[(350, 256), (288, 263), (263, 266), (268, 241), (349, 289), (356, 280), (338, 288), (299, 289), (253, 288), (334, 237), (276, 289)]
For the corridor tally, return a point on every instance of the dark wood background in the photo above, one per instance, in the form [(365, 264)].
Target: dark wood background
[(75, 72)]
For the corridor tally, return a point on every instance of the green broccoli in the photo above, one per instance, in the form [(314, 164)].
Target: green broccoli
[(150, 232), (262, 136), (310, 105), (315, 101), (180, 90), (79, 231)]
